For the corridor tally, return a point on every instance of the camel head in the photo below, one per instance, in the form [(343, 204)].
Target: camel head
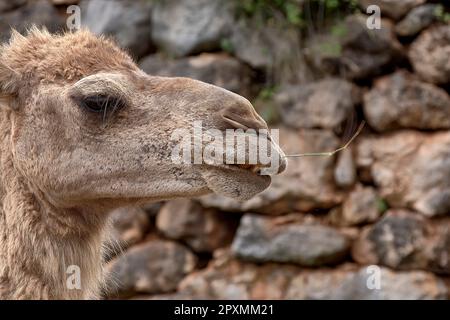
[(87, 126)]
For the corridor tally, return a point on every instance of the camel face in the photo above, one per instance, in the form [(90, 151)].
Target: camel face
[(89, 127)]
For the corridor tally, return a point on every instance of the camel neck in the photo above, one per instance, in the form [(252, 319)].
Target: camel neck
[(45, 252)]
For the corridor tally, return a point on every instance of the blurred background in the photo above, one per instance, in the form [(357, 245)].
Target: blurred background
[(372, 222)]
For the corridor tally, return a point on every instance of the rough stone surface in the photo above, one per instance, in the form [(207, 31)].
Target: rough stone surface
[(306, 184), (204, 230), (128, 21), (392, 8), (40, 13), (8, 5), (345, 171), (227, 278), (401, 101), (361, 206), (410, 169), (134, 272), (325, 104), (429, 54), (416, 20), (187, 27), (404, 240), (64, 2), (354, 52), (353, 285), (263, 239), (129, 225), (276, 49), (218, 69)]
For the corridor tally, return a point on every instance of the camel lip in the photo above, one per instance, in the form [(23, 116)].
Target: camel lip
[(250, 173), (248, 168), (234, 182)]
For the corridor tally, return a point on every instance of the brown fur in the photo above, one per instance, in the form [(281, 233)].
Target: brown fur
[(63, 169)]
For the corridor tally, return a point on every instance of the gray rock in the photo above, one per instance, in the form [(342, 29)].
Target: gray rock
[(429, 54), (274, 48), (204, 230), (263, 239), (40, 13), (128, 21), (129, 225), (401, 101), (358, 285), (154, 267), (65, 2), (227, 278), (187, 27), (404, 240), (8, 5), (416, 20), (361, 206), (307, 183), (392, 8), (218, 69), (152, 208), (345, 170), (354, 51), (410, 169), (325, 104)]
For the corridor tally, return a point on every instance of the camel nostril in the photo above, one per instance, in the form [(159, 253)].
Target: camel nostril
[(242, 115)]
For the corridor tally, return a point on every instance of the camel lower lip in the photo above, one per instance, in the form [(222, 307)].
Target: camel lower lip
[(250, 168), (235, 182)]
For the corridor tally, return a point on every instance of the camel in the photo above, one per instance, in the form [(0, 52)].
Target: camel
[(84, 131)]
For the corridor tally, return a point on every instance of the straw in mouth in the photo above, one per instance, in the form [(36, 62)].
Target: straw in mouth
[(329, 153)]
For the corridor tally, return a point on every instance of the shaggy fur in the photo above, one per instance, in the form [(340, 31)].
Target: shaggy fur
[(63, 168)]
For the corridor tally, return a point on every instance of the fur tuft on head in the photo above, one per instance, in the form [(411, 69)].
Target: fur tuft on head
[(40, 58)]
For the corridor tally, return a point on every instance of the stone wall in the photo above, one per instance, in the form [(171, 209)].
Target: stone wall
[(316, 231)]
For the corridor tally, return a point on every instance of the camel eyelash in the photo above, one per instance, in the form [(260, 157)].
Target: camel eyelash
[(102, 104)]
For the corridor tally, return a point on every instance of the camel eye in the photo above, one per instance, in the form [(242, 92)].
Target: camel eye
[(100, 103)]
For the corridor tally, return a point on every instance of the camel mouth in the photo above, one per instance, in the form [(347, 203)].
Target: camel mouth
[(240, 182)]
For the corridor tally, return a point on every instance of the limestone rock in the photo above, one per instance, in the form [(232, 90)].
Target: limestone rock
[(227, 278), (354, 51), (361, 206), (128, 21), (345, 170), (404, 240), (429, 54), (263, 239), (218, 69), (65, 2), (40, 13), (357, 285), (392, 8), (410, 169), (326, 103), (402, 101), (129, 225), (136, 270), (188, 27), (273, 48), (11, 5), (204, 230), (416, 20)]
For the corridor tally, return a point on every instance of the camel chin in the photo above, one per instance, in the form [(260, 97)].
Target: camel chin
[(233, 182)]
